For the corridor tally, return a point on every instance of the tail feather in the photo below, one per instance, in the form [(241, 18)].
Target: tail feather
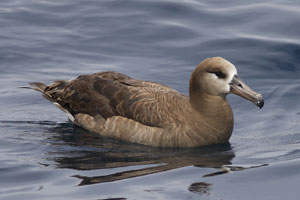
[(38, 86), (52, 93)]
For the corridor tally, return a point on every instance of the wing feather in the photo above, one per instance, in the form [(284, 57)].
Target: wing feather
[(114, 94)]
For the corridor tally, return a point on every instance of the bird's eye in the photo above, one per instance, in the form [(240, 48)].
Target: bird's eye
[(219, 74)]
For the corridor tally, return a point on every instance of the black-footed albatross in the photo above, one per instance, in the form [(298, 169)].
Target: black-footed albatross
[(116, 105)]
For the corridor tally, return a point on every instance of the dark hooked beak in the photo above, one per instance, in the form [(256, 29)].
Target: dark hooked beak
[(238, 87)]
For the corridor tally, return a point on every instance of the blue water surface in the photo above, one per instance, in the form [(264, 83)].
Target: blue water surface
[(43, 156)]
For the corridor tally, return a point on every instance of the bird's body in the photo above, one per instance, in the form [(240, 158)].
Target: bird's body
[(116, 105)]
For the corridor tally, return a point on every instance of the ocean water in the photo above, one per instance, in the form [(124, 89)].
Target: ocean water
[(43, 156)]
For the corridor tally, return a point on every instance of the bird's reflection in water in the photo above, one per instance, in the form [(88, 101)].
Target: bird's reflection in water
[(114, 199), (201, 188), (87, 151)]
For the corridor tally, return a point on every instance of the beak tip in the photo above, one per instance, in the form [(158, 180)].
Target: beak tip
[(260, 103)]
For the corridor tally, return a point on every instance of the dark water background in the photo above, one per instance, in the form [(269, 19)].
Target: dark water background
[(43, 156)]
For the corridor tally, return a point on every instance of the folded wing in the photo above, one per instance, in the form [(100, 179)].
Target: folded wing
[(112, 94)]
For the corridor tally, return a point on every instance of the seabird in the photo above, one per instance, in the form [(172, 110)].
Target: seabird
[(116, 105)]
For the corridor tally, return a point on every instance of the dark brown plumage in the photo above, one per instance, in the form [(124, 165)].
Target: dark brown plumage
[(115, 105)]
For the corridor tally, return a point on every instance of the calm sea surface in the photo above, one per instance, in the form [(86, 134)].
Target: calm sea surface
[(43, 156)]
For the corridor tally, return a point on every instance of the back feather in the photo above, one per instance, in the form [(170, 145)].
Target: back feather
[(110, 94)]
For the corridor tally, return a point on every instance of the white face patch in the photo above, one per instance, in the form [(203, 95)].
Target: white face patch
[(219, 86), (231, 72)]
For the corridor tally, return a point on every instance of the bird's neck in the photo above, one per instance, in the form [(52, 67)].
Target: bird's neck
[(212, 114)]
